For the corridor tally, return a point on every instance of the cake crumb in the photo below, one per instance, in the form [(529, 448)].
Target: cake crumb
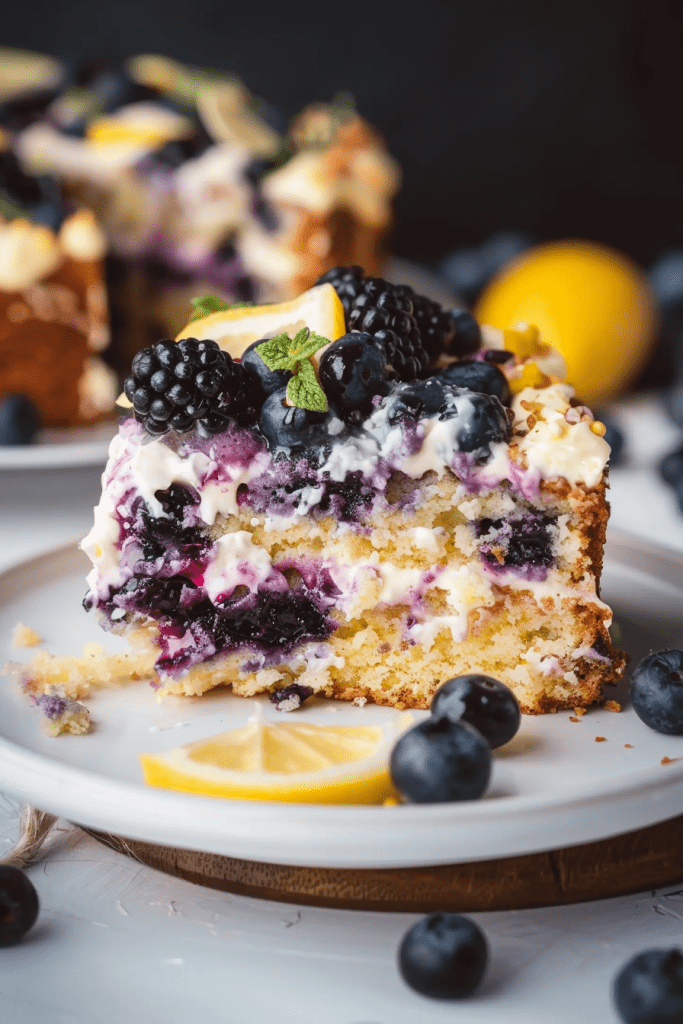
[(391, 801), (600, 739), (612, 705), (573, 719), (360, 702), (24, 636), (629, 746), (580, 712), (669, 760), (63, 715)]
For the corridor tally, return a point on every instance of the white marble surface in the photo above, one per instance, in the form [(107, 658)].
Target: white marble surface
[(119, 943)]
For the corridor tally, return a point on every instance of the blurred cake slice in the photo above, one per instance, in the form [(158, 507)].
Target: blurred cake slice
[(53, 305)]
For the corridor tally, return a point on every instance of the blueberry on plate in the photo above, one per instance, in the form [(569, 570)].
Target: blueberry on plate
[(18, 904), (657, 691), (487, 704), (443, 956), (649, 988), (440, 760), (19, 420), (671, 468)]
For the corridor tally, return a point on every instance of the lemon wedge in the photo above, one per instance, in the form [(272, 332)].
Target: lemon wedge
[(299, 762), (319, 309)]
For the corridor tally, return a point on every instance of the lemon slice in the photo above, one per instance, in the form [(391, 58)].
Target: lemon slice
[(299, 762), (228, 119), (319, 309)]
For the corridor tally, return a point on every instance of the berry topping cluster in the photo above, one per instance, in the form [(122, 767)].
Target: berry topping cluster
[(190, 385), (303, 393)]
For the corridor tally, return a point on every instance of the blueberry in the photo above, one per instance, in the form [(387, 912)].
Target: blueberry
[(287, 427), (443, 956), (671, 468), (649, 988), (483, 421), (490, 706), (657, 691), (441, 760), (18, 904), (271, 380), (482, 377), (614, 438), (422, 398), (673, 402), (467, 336), (353, 370), (20, 420)]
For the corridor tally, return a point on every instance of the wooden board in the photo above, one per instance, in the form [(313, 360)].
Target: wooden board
[(646, 859)]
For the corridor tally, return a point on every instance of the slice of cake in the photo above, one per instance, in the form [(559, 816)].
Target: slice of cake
[(53, 306), (313, 518)]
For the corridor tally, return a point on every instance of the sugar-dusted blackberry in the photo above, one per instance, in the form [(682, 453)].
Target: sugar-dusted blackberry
[(193, 385), (353, 371)]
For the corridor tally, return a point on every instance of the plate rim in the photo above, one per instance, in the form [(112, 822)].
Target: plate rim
[(92, 451), (87, 798)]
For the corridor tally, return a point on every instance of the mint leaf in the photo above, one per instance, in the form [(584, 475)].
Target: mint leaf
[(283, 352), (206, 304), (275, 353), (304, 390)]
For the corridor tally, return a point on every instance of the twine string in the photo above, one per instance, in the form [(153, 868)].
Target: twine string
[(34, 828)]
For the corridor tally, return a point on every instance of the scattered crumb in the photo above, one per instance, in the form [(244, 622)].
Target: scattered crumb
[(24, 636), (572, 719), (600, 739), (360, 701), (391, 801), (580, 712), (400, 705), (612, 705), (629, 746), (60, 714), (669, 760)]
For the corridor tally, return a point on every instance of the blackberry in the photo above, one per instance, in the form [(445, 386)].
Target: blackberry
[(193, 385), (436, 325), (385, 311)]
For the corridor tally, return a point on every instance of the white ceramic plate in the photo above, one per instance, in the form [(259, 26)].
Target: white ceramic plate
[(553, 786), (61, 447)]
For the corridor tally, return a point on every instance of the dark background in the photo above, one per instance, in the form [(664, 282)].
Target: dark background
[(557, 119)]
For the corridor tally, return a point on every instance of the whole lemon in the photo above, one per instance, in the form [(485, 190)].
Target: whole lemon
[(589, 301)]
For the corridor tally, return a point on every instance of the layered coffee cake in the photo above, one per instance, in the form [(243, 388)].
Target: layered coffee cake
[(362, 514)]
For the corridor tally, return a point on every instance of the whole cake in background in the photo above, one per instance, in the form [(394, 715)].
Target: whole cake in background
[(201, 188), (368, 496), (53, 304)]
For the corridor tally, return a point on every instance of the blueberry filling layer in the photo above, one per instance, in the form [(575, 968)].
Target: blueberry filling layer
[(524, 543), (192, 629)]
